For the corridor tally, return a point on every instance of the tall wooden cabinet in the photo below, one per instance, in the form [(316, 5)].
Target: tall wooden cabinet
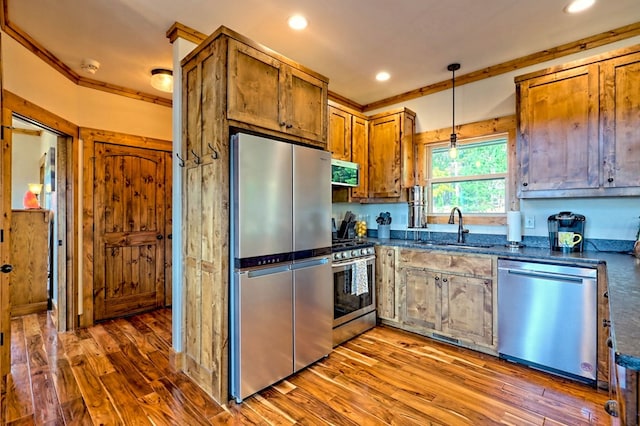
[(229, 82), (577, 128)]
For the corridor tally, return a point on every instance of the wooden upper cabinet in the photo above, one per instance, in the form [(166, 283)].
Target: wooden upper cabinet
[(559, 130), (360, 154), (577, 128), (269, 93), (391, 153), (620, 103), (339, 138)]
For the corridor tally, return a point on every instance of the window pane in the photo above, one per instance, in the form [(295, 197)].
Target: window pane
[(473, 196), (474, 159)]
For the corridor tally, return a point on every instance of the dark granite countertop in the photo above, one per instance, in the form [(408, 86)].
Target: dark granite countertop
[(623, 276)]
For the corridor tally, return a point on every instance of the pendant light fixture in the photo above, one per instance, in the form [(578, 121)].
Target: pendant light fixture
[(453, 142)]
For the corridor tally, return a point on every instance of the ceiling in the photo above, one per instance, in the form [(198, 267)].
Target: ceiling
[(348, 41)]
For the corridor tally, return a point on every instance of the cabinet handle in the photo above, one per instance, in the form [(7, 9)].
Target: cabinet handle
[(606, 323)]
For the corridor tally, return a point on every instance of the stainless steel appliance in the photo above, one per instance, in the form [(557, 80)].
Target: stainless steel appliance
[(547, 317), (566, 231), (281, 296), (354, 292), (417, 206)]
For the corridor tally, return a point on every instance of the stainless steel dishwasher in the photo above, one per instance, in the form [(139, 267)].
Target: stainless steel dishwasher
[(547, 317)]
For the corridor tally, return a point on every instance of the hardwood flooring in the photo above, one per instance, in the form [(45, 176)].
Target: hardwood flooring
[(119, 373)]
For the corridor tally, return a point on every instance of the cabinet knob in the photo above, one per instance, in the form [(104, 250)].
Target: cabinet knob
[(159, 237), (606, 323), (437, 278), (282, 123), (610, 180), (605, 294), (289, 126), (611, 407), (525, 184), (6, 268), (444, 280), (609, 342)]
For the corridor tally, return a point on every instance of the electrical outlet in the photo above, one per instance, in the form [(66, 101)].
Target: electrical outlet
[(529, 222)]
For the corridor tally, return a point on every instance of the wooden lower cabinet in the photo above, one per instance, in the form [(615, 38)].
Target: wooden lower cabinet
[(448, 296), (30, 258)]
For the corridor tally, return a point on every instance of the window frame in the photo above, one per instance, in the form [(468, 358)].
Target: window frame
[(469, 133)]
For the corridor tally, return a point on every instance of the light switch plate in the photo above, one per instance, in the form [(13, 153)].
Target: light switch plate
[(529, 222)]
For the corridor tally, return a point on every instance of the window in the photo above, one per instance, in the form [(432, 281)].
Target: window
[(475, 181)]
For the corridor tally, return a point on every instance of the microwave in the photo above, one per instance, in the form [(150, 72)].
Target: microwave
[(345, 173)]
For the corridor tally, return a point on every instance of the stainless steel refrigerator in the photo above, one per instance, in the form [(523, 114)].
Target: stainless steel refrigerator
[(281, 289)]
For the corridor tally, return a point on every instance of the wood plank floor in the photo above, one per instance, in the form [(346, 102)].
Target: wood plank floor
[(118, 373)]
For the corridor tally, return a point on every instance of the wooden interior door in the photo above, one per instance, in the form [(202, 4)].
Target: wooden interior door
[(130, 207)]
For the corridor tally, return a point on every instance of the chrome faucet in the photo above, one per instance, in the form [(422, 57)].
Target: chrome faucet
[(461, 230)]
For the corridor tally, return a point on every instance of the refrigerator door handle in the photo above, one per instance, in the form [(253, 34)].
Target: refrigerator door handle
[(267, 271), (310, 263)]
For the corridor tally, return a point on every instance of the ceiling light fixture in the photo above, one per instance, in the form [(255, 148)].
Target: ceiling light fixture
[(383, 76), (162, 79), (577, 6), (298, 22), (453, 142)]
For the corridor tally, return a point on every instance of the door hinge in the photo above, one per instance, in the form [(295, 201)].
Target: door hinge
[(1, 339), (1, 235)]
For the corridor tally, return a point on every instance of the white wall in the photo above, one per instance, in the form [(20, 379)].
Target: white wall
[(607, 218), (25, 166), (29, 77)]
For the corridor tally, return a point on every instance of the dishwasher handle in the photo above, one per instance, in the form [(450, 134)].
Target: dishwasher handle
[(546, 275)]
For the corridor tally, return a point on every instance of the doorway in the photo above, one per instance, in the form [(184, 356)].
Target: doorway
[(39, 220)]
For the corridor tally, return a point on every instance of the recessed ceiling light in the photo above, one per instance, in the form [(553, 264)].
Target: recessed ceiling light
[(577, 6), (298, 22), (383, 76)]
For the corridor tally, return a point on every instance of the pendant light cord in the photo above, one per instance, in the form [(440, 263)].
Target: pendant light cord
[(453, 68)]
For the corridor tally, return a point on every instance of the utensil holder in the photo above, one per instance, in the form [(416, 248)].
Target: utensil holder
[(384, 231)]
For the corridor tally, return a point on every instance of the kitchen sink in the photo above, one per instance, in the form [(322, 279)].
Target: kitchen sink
[(454, 244)]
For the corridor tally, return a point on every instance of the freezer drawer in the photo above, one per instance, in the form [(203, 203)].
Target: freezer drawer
[(262, 330), (547, 317), (313, 311)]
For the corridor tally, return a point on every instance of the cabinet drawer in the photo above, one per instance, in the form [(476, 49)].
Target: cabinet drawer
[(452, 263)]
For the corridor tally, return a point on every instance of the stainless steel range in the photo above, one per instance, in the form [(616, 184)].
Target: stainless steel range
[(353, 288)]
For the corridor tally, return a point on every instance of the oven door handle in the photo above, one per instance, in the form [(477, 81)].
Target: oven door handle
[(354, 261)]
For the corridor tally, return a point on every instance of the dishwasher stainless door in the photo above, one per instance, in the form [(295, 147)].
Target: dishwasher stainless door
[(313, 310), (262, 329), (547, 317)]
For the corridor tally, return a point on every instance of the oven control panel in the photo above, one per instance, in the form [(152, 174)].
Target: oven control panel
[(353, 253)]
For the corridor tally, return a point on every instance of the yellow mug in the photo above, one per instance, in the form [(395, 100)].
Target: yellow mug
[(568, 239)]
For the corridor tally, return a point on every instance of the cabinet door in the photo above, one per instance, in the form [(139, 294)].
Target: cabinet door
[(421, 299), (255, 84), (339, 138), (385, 282), (304, 105), (360, 155), (621, 133), (558, 133), (467, 308), (384, 156)]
